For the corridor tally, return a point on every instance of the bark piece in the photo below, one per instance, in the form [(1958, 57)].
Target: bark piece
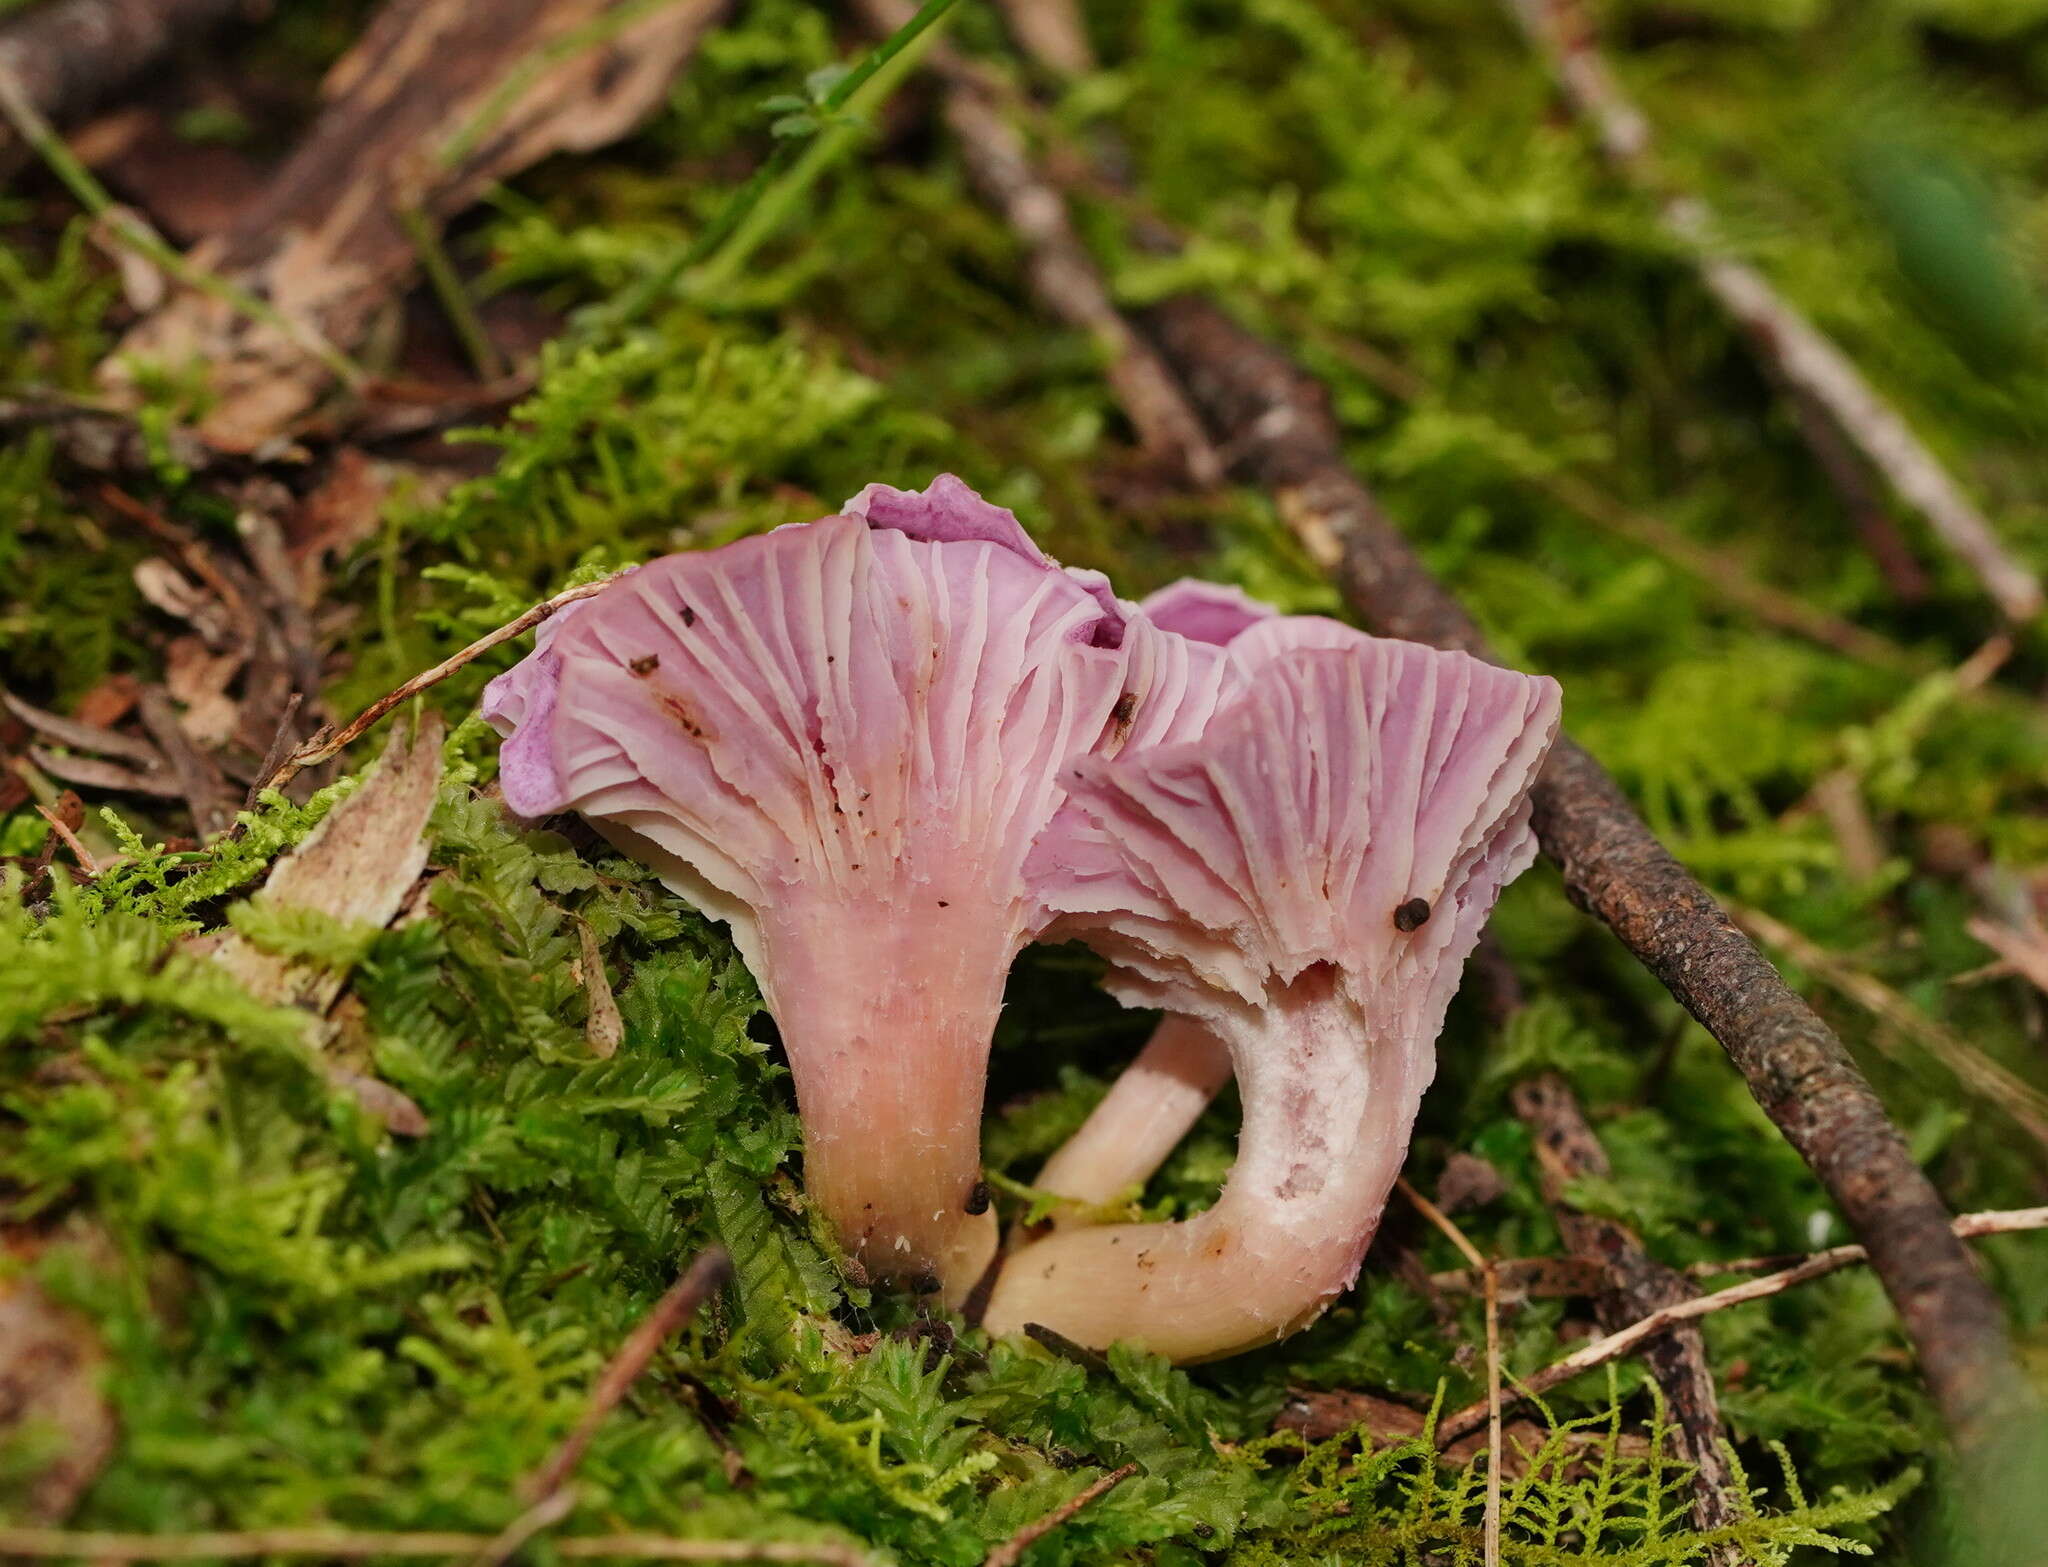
[(436, 102)]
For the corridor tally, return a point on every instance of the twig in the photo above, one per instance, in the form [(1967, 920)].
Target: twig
[(357, 1545), (1633, 1284), (1613, 866), (1725, 578), (2025, 950), (550, 1510), (1061, 274), (1052, 32), (1995, 1084), (1799, 352), (332, 743), (199, 780), (69, 839), (1012, 1550), (1597, 1352), (697, 1283), (1490, 1281), (1971, 1226)]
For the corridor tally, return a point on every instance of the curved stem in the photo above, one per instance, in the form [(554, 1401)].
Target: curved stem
[(1142, 1118), (1328, 1104)]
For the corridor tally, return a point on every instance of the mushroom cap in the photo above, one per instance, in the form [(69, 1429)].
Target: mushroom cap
[(880, 698), (1343, 780), (1211, 612)]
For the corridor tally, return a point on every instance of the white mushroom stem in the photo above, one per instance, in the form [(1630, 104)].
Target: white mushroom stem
[(1142, 1118), (1329, 1101)]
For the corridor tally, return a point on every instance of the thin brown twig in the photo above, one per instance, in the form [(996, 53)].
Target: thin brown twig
[(1971, 1226), (332, 743), (697, 1284), (1599, 1351), (1798, 351), (1012, 1550), (1490, 1281), (358, 1545), (69, 839), (550, 1510), (1725, 578)]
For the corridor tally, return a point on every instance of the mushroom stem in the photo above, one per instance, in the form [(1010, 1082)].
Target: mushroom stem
[(1329, 1100), (1142, 1118), (887, 1019)]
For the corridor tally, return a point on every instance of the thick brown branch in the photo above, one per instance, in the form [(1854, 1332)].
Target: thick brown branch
[(1276, 420), (1798, 352)]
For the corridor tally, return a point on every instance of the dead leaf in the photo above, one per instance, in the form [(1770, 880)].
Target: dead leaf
[(438, 101), (604, 1028), (50, 1362), (355, 868)]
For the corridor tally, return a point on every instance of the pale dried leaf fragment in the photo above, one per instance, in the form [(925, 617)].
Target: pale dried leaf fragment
[(604, 1027), (355, 868)]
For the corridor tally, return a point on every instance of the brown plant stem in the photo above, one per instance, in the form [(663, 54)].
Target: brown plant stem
[(1992, 1082), (1276, 421), (329, 743), (1799, 354), (1490, 1283), (1633, 1285)]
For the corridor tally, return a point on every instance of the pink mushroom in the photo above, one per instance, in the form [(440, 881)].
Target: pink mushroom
[(1305, 879), (842, 738), (1163, 1092)]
